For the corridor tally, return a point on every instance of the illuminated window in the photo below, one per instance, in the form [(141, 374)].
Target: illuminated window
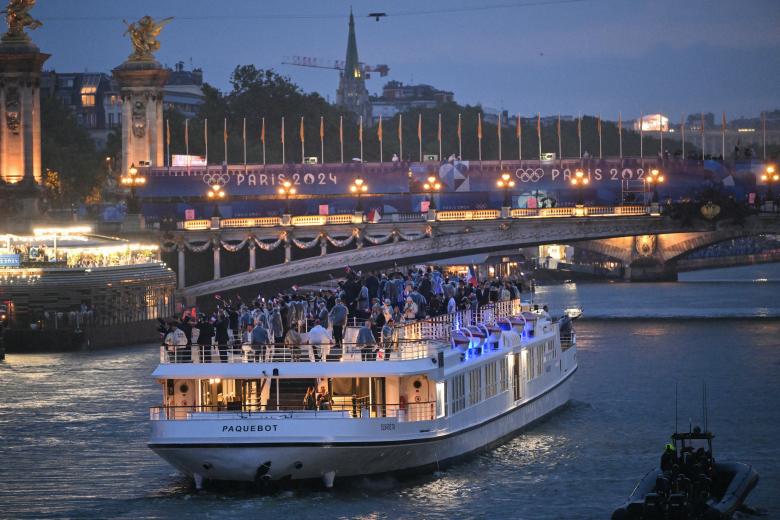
[(88, 96)]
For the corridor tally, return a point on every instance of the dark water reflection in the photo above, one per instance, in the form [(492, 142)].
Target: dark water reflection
[(73, 427)]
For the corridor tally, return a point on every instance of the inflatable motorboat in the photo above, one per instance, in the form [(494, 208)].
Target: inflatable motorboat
[(689, 484)]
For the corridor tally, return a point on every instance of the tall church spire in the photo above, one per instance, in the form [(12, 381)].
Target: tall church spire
[(352, 64), (352, 94)]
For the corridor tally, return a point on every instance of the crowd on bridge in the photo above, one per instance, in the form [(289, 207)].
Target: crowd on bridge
[(313, 322)]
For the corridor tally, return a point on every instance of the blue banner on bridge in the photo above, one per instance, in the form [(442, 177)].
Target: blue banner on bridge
[(252, 189)]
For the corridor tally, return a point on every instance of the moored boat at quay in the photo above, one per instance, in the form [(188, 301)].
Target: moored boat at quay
[(438, 390)]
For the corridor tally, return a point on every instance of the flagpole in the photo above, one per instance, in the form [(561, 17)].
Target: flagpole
[(400, 137), (479, 136), (244, 136), (379, 135), (303, 147), (682, 134), (168, 141), (702, 136), (641, 136), (620, 135), (262, 137), (322, 139), (187, 142), (600, 154), (579, 133), (360, 136), (763, 132), (206, 139), (539, 132), (661, 133), (341, 137), (283, 158), (519, 132), (723, 138), (419, 133), (460, 140), (225, 137), (440, 156), (498, 131), (560, 146)]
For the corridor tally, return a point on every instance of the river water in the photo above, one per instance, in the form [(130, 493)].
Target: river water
[(73, 427)]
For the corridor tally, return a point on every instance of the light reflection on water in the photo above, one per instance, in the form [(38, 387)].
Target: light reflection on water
[(74, 426)]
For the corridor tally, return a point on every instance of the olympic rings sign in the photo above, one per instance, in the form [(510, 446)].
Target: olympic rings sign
[(216, 179), (529, 174)]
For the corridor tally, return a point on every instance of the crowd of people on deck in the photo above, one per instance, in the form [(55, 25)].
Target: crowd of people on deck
[(311, 324)]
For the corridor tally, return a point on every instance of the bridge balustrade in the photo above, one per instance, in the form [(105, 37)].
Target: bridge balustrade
[(196, 225)]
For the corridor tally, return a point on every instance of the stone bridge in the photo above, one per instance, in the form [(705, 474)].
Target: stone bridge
[(631, 234)]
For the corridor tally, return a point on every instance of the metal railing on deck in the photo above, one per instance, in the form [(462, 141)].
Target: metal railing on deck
[(402, 349), (340, 407)]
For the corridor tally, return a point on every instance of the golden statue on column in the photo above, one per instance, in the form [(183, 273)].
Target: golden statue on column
[(143, 35), (18, 18)]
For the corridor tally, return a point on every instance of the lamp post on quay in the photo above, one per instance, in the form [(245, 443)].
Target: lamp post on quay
[(132, 179), (579, 181), (285, 190), (769, 177), (359, 187), (506, 183)]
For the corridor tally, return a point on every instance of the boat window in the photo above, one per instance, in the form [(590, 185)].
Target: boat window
[(491, 380), (458, 386), (504, 374), (475, 386)]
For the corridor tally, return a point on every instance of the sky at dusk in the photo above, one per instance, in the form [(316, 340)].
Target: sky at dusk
[(588, 56)]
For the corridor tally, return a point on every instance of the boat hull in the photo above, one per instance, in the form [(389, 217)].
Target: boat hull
[(276, 458)]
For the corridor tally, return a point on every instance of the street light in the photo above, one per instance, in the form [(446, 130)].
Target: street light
[(579, 181), (287, 189), (431, 185), (216, 192), (359, 187), (654, 179), (506, 183), (132, 180)]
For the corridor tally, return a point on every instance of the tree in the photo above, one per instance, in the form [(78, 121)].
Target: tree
[(68, 152)]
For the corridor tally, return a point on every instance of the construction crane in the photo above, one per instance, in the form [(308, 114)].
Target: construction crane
[(319, 63)]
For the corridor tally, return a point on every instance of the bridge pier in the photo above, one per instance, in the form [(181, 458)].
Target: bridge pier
[(252, 257), (650, 270), (323, 246), (181, 279), (216, 250)]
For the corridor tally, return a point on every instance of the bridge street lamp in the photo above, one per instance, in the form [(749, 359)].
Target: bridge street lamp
[(285, 190), (654, 179), (579, 181), (771, 176), (431, 185), (132, 179), (506, 183), (359, 187)]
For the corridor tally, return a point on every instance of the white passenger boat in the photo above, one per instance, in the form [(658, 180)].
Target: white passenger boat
[(442, 389)]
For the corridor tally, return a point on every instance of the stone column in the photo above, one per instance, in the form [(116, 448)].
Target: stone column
[(287, 252), (216, 251), (323, 246), (20, 116), (140, 84), (252, 257), (181, 274)]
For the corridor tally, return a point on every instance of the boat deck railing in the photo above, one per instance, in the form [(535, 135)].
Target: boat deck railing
[(354, 408), (385, 350)]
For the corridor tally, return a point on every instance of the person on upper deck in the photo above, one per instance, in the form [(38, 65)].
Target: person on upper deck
[(366, 342), (260, 341), (338, 319), (176, 341), (320, 340)]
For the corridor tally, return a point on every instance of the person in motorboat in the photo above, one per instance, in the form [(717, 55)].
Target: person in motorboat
[(669, 458)]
